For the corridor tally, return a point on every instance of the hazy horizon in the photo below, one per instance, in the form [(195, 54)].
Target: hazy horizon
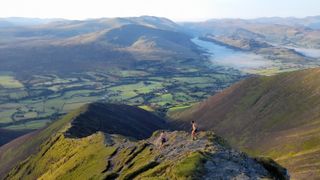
[(178, 10), (52, 18)]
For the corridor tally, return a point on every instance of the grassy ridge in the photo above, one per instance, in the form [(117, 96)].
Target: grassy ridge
[(83, 122), (276, 116), (91, 158), (23, 147)]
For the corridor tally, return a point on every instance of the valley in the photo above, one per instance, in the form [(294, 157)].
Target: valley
[(32, 103)]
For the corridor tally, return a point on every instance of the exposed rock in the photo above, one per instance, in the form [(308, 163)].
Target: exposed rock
[(216, 160)]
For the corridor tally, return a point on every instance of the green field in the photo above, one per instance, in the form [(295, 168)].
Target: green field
[(49, 96), (29, 125), (9, 82)]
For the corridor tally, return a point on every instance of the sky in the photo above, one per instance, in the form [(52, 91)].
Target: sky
[(177, 10)]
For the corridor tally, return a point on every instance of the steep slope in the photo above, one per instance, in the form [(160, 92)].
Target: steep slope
[(85, 121), (7, 135), (277, 116)]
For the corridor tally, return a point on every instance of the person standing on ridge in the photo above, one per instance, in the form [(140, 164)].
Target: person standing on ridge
[(194, 130), (162, 139)]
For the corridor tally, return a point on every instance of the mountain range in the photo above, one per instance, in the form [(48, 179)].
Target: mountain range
[(118, 42), (271, 116)]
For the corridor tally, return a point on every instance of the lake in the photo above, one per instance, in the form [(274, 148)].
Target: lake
[(314, 53), (225, 56)]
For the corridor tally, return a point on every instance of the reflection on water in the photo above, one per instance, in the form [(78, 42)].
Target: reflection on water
[(228, 57)]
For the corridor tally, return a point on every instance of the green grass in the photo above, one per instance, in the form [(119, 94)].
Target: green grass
[(129, 73), (69, 159), (163, 99), (23, 150), (140, 87), (71, 106), (29, 125), (5, 116), (178, 108), (9, 82), (194, 80), (84, 158), (134, 87), (189, 167), (147, 108)]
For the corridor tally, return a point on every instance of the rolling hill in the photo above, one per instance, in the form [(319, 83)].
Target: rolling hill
[(276, 116), (103, 43), (270, 31), (78, 146)]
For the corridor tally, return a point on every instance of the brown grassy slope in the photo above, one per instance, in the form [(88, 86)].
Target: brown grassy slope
[(277, 116)]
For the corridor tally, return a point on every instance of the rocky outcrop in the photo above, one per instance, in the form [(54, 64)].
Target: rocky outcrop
[(106, 156), (209, 157)]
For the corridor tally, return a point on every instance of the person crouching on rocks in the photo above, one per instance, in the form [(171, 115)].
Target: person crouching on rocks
[(163, 139), (194, 130)]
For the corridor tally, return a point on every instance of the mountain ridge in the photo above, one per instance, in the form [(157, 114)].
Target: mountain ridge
[(21, 148), (275, 116)]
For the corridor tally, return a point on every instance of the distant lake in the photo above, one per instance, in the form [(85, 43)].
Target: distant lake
[(314, 53), (225, 56)]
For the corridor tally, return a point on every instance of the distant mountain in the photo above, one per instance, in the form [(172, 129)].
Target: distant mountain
[(269, 30), (84, 45), (62, 151), (276, 116), (283, 54), (21, 21), (61, 28), (310, 21), (4, 23)]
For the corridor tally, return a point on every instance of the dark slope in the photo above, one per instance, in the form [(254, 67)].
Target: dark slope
[(115, 119), (277, 116), (7, 135), (109, 118)]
